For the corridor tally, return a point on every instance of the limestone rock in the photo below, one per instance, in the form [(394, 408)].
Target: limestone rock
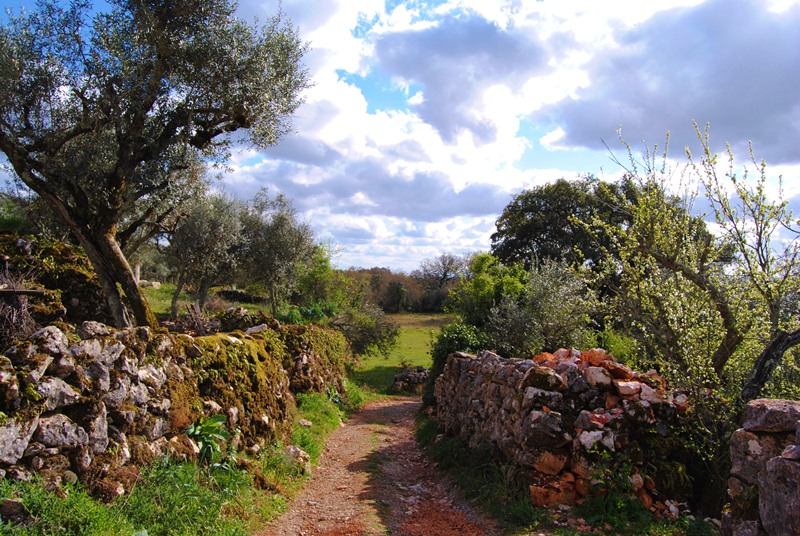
[(542, 378), (57, 393), (792, 452), (300, 457), (36, 366), (14, 439), (91, 329), (778, 497), (767, 415), (410, 380), (256, 329), (60, 431), (99, 375), (9, 386), (139, 394), (750, 453), (598, 377), (544, 429), (97, 428), (50, 340), (211, 407), (62, 366), (539, 398), (152, 376), (118, 392)]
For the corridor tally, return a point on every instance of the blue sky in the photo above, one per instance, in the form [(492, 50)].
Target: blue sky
[(426, 117)]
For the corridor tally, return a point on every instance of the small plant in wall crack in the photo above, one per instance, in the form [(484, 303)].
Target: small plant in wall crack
[(209, 434)]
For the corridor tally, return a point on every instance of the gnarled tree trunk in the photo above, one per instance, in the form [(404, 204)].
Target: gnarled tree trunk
[(118, 280)]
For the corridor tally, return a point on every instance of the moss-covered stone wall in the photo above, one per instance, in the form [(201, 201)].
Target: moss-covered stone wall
[(90, 403)]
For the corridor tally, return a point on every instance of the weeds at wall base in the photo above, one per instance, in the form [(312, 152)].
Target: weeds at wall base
[(175, 497), (500, 489)]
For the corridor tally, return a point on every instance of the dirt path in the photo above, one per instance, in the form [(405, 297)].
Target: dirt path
[(372, 479)]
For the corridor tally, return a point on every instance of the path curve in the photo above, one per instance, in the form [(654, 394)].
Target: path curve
[(372, 479)]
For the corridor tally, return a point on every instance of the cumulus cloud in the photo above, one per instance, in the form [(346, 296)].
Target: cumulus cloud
[(425, 117), (733, 65), (454, 62)]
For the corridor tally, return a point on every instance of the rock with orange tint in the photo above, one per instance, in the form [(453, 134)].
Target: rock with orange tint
[(645, 498), (618, 371), (582, 487), (628, 389), (550, 462), (551, 496), (598, 377), (596, 356), (612, 401)]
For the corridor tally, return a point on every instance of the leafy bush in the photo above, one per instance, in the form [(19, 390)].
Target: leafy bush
[(368, 329), (209, 434), (453, 337)]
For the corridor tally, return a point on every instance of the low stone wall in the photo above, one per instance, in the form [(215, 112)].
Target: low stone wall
[(91, 404), (567, 417), (764, 486)]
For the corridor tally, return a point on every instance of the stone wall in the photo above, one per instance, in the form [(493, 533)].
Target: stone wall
[(764, 486), (92, 403), (573, 419)]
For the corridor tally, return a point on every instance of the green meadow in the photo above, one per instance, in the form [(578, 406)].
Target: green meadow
[(412, 350)]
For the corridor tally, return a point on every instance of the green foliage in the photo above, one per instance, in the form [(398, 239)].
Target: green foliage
[(456, 336), (623, 347), (540, 224), (275, 246), (551, 313), (209, 434), (325, 416), (170, 498), (74, 513), (487, 283), (202, 248), (181, 498), (622, 511)]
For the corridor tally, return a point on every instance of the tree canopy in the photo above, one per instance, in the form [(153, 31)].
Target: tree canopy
[(103, 112), (542, 223)]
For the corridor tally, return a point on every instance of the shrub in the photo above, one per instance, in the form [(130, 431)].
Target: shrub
[(453, 337)]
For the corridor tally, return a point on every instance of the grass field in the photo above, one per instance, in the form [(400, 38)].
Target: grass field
[(413, 349), (374, 372)]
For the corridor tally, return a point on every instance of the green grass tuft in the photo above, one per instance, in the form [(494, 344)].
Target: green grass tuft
[(324, 416)]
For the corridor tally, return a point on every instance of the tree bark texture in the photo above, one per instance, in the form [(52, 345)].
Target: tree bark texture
[(766, 363)]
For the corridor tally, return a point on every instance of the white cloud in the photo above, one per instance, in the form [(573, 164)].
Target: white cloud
[(486, 93)]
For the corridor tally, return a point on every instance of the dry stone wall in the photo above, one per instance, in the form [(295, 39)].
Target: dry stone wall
[(93, 403), (566, 417), (764, 486)]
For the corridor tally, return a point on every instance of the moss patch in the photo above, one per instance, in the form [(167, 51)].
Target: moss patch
[(245, 376)]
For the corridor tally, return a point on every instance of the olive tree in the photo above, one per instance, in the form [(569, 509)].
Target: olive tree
[(766, 237), (102, 111), (277, 247), (204, 246)]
